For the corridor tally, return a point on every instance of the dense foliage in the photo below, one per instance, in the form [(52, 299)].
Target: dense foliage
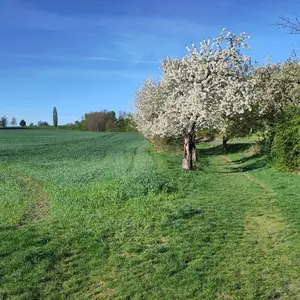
[(22, 123), (43, 124), (286, 145), (103, 121)]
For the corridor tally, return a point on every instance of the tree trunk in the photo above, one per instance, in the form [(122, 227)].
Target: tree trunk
[(225, 140), (194, 150), (190, 154)]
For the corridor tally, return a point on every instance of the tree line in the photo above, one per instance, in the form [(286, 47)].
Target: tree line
[(104, 121), (94, 121), (4, 122), (13, 123)]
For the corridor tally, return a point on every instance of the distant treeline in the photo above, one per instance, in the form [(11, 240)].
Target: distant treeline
[(103, 121), (95, 121)]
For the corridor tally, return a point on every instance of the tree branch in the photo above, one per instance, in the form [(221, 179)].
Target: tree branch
[(293, 26)]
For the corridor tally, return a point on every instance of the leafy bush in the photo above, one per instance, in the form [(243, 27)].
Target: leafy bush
[(285, 151), (163, 144)]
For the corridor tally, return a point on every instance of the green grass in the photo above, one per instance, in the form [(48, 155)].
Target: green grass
[(100, 216)]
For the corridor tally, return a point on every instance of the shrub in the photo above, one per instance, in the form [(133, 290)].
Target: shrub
[(285, 150), (163, 144)]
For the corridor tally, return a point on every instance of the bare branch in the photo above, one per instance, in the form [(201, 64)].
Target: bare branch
[(292, 25)]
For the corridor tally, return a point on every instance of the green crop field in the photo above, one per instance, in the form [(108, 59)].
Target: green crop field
[(101, 216)]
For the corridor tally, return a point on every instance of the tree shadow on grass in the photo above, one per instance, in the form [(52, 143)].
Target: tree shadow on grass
[(247, 158), (245, 164), (257, 164), (219, 150)]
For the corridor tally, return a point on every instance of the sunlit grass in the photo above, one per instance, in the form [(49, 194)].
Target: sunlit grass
[(118, 221)]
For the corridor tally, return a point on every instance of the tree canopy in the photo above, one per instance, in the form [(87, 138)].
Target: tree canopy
[(22, 123), (216, 86), (211, 87)]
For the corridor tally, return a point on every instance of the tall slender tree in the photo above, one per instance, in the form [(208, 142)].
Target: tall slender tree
[(55, 117)]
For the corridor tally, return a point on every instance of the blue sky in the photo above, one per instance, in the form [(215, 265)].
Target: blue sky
[(89, 55)]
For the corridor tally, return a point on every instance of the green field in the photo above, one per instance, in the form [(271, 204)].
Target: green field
[(101, 216)]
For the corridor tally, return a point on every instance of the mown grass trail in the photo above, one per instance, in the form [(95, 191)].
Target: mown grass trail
[(265, 262), (100, 216)]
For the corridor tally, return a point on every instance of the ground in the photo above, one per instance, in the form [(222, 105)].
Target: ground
[(101, 216)]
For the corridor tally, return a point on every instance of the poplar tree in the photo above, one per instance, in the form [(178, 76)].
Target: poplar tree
[(55, 117)]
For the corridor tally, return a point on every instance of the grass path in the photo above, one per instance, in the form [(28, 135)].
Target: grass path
[(266, 260)]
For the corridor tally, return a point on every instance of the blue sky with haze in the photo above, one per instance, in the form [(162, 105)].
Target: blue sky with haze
[(90, 55)]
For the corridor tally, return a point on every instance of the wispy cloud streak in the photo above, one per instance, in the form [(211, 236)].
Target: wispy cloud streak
[(73, 58)]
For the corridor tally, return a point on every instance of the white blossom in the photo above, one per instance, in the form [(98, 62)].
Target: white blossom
[(208, 88), (278, 85)]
